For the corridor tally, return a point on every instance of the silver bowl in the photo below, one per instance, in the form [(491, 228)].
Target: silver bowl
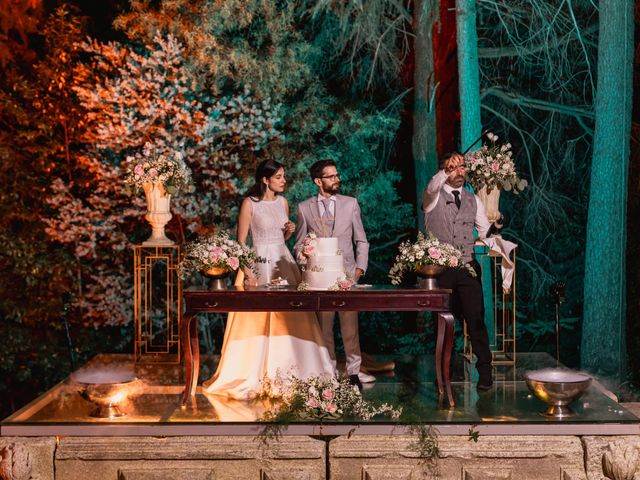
[(107, 390), (558, 388)]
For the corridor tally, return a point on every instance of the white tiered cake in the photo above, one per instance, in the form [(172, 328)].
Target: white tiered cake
[(325, 266)]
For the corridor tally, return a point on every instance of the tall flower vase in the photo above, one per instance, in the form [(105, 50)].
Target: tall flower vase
[(491, 202), (158, 214)]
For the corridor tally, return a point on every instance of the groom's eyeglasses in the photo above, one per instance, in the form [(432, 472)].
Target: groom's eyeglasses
[(332, 177)]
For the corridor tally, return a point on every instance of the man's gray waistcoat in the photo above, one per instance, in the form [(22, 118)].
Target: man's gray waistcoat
[(451, 225)]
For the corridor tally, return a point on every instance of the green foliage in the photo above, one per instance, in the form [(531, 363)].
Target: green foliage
[(41, 121), (281, 54)]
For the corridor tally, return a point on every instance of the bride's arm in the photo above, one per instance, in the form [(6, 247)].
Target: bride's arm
[(244, 221), (289, 227)]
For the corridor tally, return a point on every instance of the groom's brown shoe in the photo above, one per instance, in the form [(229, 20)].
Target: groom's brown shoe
[(370, 365)]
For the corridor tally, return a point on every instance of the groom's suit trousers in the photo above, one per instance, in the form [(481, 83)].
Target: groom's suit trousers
[(350, 338)]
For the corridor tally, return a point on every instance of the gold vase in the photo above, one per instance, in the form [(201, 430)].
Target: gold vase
[(428, 276), (218, 276)]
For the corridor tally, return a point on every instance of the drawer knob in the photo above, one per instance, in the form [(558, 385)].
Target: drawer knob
[(211, 305), (295, 304), (424, 303), (340, 303)]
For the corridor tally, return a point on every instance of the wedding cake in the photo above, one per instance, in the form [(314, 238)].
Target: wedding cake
[(325, 265)]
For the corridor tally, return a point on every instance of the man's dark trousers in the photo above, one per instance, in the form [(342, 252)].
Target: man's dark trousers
[(468, 302)]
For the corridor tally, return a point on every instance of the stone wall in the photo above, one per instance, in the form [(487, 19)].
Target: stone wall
[(360, 457)]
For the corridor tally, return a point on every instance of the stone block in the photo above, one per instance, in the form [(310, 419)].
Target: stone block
[(491, 457), (595, 447), (27, 458), (189, 458)]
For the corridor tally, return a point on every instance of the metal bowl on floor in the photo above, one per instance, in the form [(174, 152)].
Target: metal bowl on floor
[(107, 390), (558, 388)]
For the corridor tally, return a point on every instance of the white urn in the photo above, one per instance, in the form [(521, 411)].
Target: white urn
[(158, 213), (491, 202)]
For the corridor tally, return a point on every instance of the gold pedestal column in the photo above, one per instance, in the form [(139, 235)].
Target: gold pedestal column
[(157, 304), (502, 340)]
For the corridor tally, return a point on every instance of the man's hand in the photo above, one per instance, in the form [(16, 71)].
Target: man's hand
[(453, 163), (496, 226), (358, 274)]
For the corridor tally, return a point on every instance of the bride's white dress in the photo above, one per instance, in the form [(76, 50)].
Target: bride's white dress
[(259, 344)]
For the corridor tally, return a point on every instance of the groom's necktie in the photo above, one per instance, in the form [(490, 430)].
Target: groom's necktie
[(327, 208), (327, 218), (456, 195)]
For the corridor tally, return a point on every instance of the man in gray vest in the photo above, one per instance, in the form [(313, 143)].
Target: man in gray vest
[(331, 215), (450, 213)]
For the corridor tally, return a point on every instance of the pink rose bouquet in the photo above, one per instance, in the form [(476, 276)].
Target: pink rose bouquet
[(492, 166), (217, 251), (426, 250)]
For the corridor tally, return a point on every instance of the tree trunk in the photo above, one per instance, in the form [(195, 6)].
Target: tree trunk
[(424, 142), (603, 331), (470, 123)]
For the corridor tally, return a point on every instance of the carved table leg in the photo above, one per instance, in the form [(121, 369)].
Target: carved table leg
[(439, 345), (444, 340), (191, 349)]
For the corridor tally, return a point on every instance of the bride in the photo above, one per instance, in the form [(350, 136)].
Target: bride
[(259, 344)]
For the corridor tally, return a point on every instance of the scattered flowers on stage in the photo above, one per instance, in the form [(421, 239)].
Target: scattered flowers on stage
[(492, 166), (154, 165), (426, 250), (218, 251), (323, 397)]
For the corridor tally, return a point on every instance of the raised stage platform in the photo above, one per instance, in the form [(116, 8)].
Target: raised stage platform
[(155, 408)]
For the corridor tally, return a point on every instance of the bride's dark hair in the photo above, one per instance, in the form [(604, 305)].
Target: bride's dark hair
[(266, 169)]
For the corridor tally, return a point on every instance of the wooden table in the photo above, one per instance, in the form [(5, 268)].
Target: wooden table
[(260, 299)]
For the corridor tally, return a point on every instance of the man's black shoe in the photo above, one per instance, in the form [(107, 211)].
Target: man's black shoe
[(484, 383), (354, 380)]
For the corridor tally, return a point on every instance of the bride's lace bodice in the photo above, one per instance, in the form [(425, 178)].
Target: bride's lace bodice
[(267, 222)]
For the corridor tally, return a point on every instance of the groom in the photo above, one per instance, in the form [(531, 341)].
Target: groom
[(331, 215)]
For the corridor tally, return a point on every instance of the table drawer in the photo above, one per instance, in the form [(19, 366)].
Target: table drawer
[(262, 303), (382, 302)]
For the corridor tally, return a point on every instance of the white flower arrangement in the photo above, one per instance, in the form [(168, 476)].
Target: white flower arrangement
[(218, 251), (424, 251), (154, 165), (322, 397), (493, 167)]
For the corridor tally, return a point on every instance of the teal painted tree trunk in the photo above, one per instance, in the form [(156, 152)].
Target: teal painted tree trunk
[(469, 74), (470, 122), (424, 142), (603, 348)]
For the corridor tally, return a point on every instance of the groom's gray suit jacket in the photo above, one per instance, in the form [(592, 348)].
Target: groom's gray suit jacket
[(347, 227)]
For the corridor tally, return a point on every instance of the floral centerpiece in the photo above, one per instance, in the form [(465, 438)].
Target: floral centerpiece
[(491, 169), (160, 174), (323, 397), (217, 255), (153, 165), (424, 252), (492, 166)]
